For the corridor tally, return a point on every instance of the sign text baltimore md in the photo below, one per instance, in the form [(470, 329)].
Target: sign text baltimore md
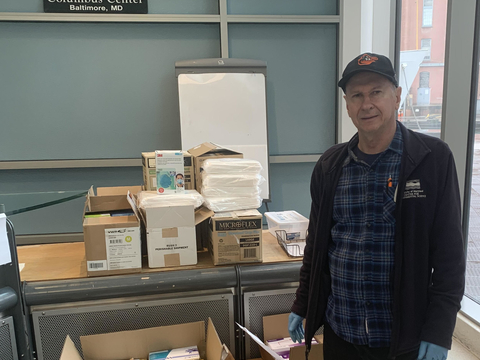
[(96, 6)]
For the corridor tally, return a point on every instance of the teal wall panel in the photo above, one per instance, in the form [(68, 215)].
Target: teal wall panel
[(48, 180), (85, 91), (290, 188), (21, 6), (283, 7), (301, 82), (154, 6), (183, 7)]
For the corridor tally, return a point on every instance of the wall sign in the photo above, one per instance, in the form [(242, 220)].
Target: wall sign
[(96, 6)]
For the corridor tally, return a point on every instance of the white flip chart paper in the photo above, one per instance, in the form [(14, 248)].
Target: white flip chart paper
[(5, 257)]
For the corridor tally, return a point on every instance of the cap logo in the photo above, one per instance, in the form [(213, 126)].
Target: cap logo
[(366, 59)]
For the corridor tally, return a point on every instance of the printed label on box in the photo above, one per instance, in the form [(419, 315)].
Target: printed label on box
[(123, 248), (98, 265), (249, 251), (170, 172), (239, 224), (238, 245)]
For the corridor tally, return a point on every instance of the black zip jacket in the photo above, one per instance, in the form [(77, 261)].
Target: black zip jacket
[(429, 270)]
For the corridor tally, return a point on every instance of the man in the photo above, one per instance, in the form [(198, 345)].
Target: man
[(384, 265)]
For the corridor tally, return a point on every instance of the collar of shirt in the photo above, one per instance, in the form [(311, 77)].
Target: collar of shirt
[(396, 145)]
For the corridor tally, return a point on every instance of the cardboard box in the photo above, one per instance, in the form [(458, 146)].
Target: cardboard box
[(189, 171), (202, 216), (112, 244), (282, 346), (170, 171), (139, 343), (276, 326), (171, 234), (150, 172), (236, 237), (185, 353), (206, 151)]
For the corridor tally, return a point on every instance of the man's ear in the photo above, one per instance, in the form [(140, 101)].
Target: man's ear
[(346, 104), (398, 94)]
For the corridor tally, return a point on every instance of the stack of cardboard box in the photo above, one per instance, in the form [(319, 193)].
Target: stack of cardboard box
[(169, 235), (233, 237)]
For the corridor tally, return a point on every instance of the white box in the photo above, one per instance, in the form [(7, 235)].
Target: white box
[(185, 353), (170, 171), (294, 224), (282, 345), (171, 237)]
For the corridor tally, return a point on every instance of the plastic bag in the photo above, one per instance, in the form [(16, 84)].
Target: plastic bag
[(152, 199), (219, 204), (230, 191), (240, 180), (231, 166)]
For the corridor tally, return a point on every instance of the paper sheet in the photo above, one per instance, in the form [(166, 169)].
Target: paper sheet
[(260, 342), (5, 257)]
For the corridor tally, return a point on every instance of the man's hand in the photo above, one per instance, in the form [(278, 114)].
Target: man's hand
[(295, 327), (431, 351)]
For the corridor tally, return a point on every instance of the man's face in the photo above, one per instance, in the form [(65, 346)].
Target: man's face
[(372, 102)]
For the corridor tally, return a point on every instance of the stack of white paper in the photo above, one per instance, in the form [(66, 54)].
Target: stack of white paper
[(231, 184)]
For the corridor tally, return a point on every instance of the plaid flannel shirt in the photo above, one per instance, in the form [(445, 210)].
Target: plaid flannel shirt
[(361, 256)]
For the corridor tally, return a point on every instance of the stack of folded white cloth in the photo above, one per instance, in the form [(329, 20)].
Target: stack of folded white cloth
[(231, 184), (152, 199)]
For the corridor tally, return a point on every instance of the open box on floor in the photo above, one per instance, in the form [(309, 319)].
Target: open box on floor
[(276, 327), (124, 345)]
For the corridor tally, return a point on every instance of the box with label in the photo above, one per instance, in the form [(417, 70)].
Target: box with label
[(171, 234), (112, 242), (206, 151), (276, 327), (150, 172), (184, 353), (138, 344), (236, 237), (169, 171), (189, 171), (282, 346)]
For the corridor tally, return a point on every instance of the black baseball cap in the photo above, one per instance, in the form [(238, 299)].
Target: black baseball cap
[(368, 62)]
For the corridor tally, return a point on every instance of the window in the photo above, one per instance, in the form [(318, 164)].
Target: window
[(424, 79), (427, 13), (426, 45), (471, 302), (421, 71)]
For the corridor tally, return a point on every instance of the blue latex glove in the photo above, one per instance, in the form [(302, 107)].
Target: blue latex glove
[(431, 351), (295, 327)]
